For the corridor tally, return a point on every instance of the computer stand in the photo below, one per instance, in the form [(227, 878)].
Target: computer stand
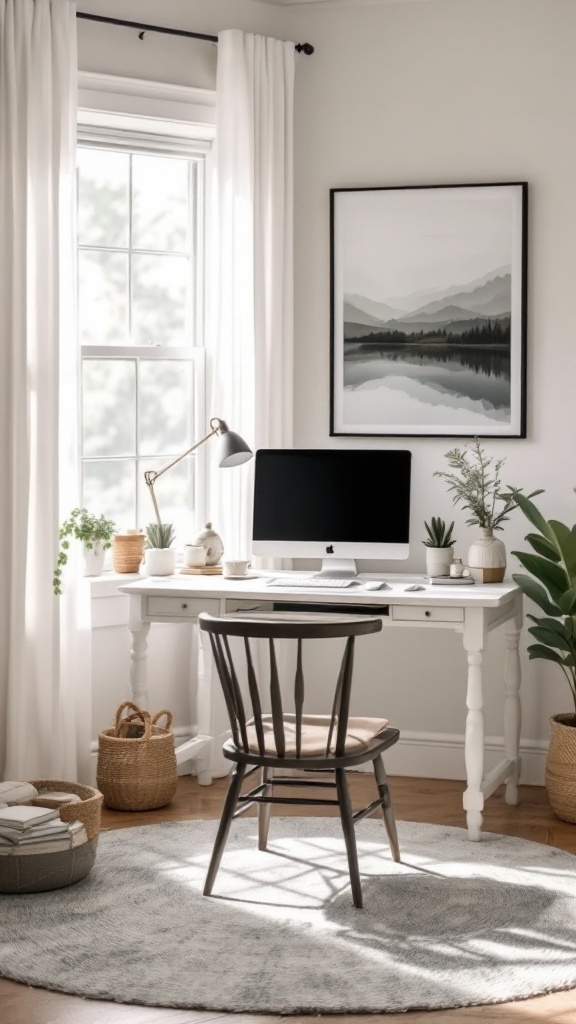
[(338, 568)]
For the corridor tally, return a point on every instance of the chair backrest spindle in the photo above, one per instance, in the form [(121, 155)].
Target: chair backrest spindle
[(276, 703)]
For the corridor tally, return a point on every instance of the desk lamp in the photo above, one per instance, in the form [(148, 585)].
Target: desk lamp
[(233, 451)]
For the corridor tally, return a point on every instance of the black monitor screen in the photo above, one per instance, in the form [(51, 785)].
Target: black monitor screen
[(353, 496)]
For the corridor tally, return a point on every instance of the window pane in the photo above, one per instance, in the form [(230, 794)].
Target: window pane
[(103, 298), (175, 497), (103, 198), (160, 203), (109, 407), (165, 407), (109, 486), (160, 289)]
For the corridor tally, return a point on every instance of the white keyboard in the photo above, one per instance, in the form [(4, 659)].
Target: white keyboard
[(317, 582)]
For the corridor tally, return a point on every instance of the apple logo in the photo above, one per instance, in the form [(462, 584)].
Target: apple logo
[(330, 549)]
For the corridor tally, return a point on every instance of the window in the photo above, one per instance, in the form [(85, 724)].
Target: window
[(140, 319)]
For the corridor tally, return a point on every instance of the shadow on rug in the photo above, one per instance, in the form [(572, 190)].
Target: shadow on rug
[(455, 924)]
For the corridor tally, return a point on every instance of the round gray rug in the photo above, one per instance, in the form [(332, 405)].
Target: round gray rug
[(456, 924)]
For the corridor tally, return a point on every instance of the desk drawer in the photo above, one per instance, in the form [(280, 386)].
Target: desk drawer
[(181, 607), (426, 613)]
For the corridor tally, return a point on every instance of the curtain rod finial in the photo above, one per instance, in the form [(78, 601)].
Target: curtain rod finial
[(306, 48)]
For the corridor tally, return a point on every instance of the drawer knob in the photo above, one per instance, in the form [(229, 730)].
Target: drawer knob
[(184, 605), (427, 614)]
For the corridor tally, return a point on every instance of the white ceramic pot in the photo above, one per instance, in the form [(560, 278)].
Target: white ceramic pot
[(487, 558), (160, 561), (438, 561), (212, 543), (94, 559)]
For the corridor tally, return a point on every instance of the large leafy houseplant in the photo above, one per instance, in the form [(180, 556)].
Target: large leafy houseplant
[(86, 527), (551, 585)]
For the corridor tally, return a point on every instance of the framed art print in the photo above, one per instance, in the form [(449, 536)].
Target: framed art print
[(428, 318)]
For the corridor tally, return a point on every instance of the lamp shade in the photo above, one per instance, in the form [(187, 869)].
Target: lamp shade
[(233, 450)]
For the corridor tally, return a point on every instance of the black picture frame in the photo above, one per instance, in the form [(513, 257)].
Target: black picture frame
[(428, 310)]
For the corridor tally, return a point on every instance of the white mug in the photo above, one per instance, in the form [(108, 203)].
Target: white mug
[(238, 567), (194, 554)]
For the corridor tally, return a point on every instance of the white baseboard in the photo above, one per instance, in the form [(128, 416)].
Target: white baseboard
[(432, 755), (426, 755)]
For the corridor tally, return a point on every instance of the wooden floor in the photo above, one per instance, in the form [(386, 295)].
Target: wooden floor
[(426, 800)]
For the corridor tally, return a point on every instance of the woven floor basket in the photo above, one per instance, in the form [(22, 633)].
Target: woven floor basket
[(561, 766), (136, 761), (86, 810)]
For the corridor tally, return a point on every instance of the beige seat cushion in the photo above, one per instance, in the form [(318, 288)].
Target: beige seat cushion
[(361, 732)]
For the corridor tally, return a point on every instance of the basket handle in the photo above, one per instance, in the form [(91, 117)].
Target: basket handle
[(144, 715), (159, 715)]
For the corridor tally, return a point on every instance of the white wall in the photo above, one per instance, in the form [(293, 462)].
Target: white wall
[(443, 92)]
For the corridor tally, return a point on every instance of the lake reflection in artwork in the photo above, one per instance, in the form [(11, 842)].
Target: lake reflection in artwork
[(426, 385)]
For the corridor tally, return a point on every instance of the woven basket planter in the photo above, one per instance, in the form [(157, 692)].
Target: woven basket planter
[(561, 766), (128, 551), (136, 761)]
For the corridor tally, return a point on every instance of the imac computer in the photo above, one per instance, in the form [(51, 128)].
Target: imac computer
[(333, 504)]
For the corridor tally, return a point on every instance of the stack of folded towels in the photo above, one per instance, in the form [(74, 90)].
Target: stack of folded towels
[(27, 827)]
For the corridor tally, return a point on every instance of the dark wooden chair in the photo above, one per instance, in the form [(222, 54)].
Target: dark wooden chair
[(281, 740)]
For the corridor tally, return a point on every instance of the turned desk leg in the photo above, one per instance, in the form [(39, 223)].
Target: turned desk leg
[(138, 654), (512, 711), (474, 746)]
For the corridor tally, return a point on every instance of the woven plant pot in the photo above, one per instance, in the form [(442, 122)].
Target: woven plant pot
[(136, 761), (128, 551), (561, 766)]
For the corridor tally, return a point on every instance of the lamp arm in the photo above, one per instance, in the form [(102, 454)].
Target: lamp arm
[(152, 475)]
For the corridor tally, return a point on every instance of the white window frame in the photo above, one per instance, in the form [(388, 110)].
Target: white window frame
[(128, 114)]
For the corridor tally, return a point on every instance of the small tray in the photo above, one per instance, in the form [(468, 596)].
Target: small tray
[(451, 580)]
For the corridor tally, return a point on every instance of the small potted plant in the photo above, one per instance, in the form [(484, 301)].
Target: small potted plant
[(159, 556), (475, 482), (551, 585), (95, 533), (438, 546)]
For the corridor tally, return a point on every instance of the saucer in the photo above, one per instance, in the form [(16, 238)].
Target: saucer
[(245, 576)]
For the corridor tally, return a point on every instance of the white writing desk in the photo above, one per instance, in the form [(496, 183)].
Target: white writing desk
[(473, 611)]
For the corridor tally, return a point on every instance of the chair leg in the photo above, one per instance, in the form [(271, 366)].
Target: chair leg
[(264, 813), (224, 826), (349, 835), (387, 809)]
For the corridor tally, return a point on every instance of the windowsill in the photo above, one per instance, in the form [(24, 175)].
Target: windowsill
[(107, 584)]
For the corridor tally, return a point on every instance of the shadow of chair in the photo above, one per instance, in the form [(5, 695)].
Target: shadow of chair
[(295, 741)]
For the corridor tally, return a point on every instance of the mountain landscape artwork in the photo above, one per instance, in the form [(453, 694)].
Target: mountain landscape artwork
[(428, 331)]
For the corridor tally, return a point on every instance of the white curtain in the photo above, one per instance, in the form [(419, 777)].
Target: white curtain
[(39, 634), (251, 296)]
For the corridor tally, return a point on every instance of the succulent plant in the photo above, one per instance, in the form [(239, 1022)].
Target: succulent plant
[(438, 535), (159, 535)]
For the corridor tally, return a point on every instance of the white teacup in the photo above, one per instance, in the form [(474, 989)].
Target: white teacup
[(194, 555), (237, 567)]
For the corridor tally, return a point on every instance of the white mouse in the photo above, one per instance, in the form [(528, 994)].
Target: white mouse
[(376, 585)]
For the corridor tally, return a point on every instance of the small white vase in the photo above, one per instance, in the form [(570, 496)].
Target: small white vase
[(487, 558), (94, 559), (438, 561), (160, 561)]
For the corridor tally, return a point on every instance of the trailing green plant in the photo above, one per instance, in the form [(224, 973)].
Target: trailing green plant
[(86, 527), (438, 535), (551, 585), (159, 535), (476, 486)]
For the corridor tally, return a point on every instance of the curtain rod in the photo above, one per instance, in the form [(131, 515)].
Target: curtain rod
[(306, 48)]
